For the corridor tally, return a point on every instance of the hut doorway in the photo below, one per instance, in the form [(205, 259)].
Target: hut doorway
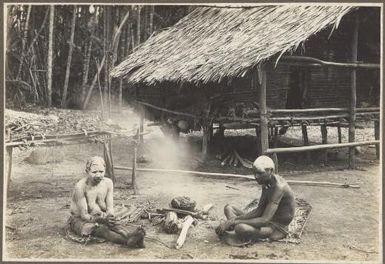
[(298, 84)]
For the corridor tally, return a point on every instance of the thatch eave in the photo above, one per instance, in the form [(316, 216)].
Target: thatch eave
[(213, 43)]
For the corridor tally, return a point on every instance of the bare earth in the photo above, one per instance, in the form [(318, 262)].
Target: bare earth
[(343, 225)]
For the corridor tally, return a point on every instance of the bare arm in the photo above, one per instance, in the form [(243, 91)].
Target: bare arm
[(268, 213), (80, 200), (110, 198), (257, 212)]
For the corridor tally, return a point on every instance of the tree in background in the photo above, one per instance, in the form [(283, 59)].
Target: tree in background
[(61, 57)]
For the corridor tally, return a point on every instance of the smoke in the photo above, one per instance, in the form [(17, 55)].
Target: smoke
[(162, 152)]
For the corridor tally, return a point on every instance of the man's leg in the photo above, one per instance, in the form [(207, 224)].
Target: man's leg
[(232, 211), (247, 232)]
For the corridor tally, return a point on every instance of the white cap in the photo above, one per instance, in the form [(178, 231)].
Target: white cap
[(263, 163)]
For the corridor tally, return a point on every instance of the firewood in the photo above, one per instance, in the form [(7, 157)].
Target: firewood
[(188, 220), (207, 208), (172, 224), (226, 159), (236, 162), (231, 159), (248, 177), (244, 162)]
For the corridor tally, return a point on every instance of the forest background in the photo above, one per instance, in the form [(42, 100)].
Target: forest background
[(60, 55)]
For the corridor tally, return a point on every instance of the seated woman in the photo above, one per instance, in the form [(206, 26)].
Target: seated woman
[(92, 211)]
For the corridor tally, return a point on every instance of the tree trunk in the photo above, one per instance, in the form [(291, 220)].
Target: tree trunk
[(24, 41), (132, 38), (50, 55), (138, 27), (106, 38), (101, 66), (151, 19), (86, 68), (68, 69)]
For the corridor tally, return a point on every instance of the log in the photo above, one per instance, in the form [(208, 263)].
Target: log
[(247, 177), (245, 163), (172, 224), (319, 147), (207, 208), (316, 110), (185, 227), (300, 118), (226, 159), (353, 65), (308, 110), (179, 211), (167, 110)]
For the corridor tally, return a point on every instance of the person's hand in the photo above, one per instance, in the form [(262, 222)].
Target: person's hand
[(105, 219), (224, 226), (111, 220)]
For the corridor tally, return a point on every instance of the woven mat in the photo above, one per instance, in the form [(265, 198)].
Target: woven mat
[(125, 216), (296, 227)]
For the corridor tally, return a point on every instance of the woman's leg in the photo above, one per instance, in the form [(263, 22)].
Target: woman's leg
[(131, 239)]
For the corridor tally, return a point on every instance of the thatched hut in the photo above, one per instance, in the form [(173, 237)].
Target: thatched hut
[(232, 64)]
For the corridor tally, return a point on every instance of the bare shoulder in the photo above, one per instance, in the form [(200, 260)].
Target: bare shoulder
[(81, 184), (108, 182), (282, 185)]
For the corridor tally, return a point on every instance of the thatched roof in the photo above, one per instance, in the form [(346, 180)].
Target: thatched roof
[(212, 43)]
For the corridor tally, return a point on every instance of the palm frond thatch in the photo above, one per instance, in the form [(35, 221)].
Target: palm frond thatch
[(212, 43)]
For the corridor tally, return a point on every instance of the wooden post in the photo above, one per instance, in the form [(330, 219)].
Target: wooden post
[(108, 160), (324, 133), (133, 176), (9, 167), (305, 140), (211, 132), (111, 160), (339, 133), (120, 94), (353, 95), (205, 140), (304, 135), (274, 134), (377, 136), (221, 131), (141, 121), (263, 111)]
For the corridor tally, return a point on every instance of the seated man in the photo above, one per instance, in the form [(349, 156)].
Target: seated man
[(92, 211), (272, 216)]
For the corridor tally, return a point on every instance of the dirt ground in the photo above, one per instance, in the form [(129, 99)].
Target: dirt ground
[(343, 225)]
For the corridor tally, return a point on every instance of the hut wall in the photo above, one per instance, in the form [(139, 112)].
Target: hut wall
[(277, 86), (330, 86), (240, 91)]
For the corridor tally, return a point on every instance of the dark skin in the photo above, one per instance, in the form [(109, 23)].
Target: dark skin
[(276, 204), (92, 201)]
